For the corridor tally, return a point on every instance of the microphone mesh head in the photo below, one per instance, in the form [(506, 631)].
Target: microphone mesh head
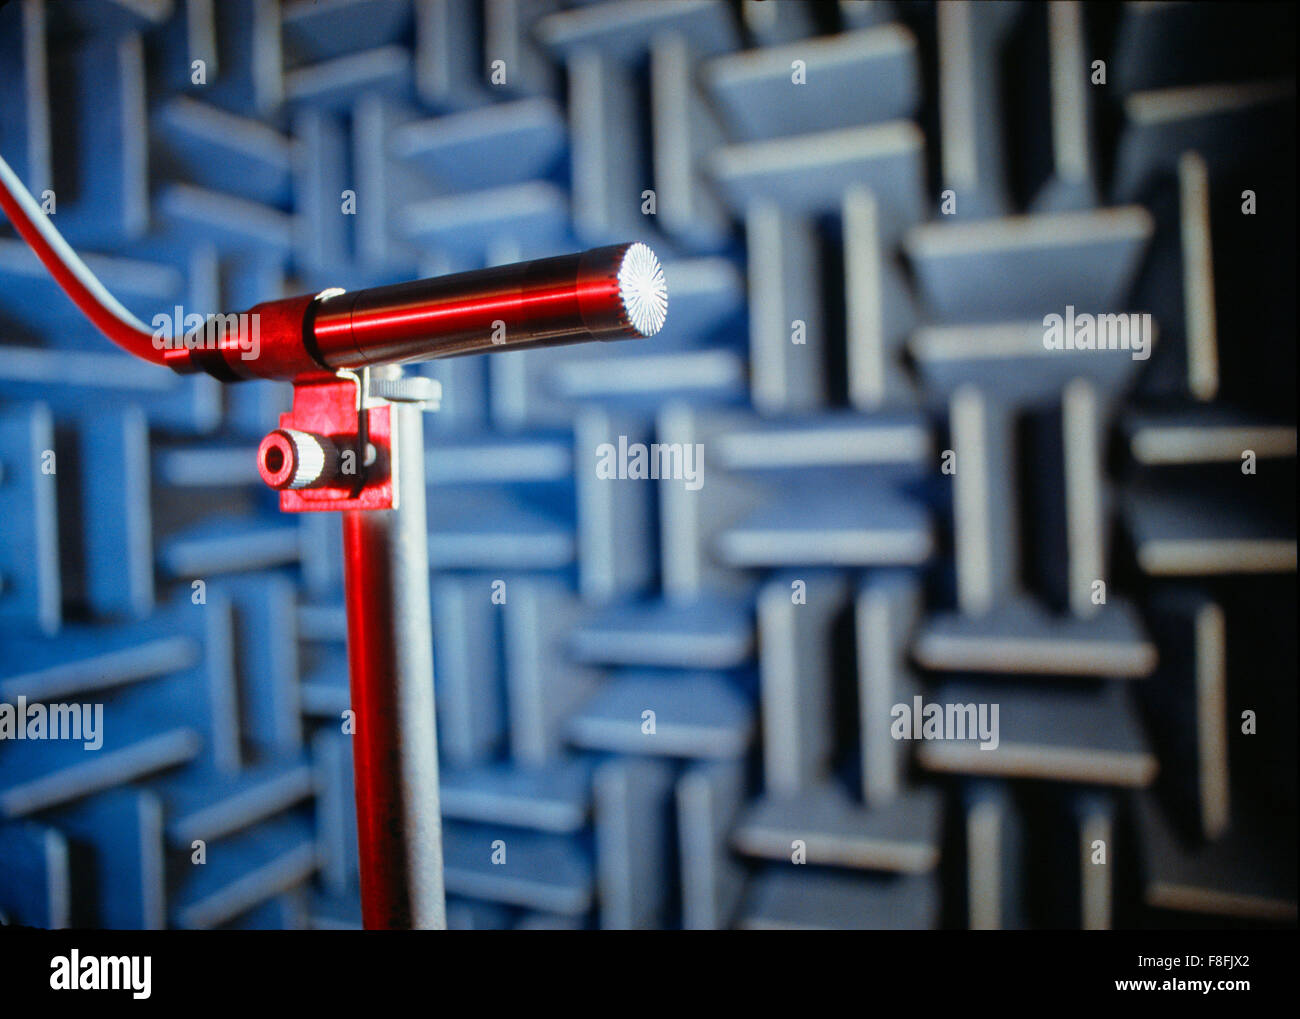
[(642, 289)]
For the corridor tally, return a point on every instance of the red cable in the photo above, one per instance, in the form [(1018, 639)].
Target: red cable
[(77, 281)]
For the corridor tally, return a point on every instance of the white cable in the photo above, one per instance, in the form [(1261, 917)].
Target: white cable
[(63, 251)]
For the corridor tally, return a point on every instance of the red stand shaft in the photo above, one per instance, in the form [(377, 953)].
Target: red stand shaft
[(390, 657)]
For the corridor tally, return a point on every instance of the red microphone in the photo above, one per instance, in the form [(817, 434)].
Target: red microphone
[(610, 293)]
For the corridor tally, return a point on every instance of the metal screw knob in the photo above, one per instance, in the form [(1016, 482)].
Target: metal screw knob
[(291, 459), (419, 389)]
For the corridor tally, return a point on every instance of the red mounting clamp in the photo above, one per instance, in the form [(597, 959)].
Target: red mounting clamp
[(334, 450)]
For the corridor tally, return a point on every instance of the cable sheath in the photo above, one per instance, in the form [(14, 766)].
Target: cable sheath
[(77, 281)]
